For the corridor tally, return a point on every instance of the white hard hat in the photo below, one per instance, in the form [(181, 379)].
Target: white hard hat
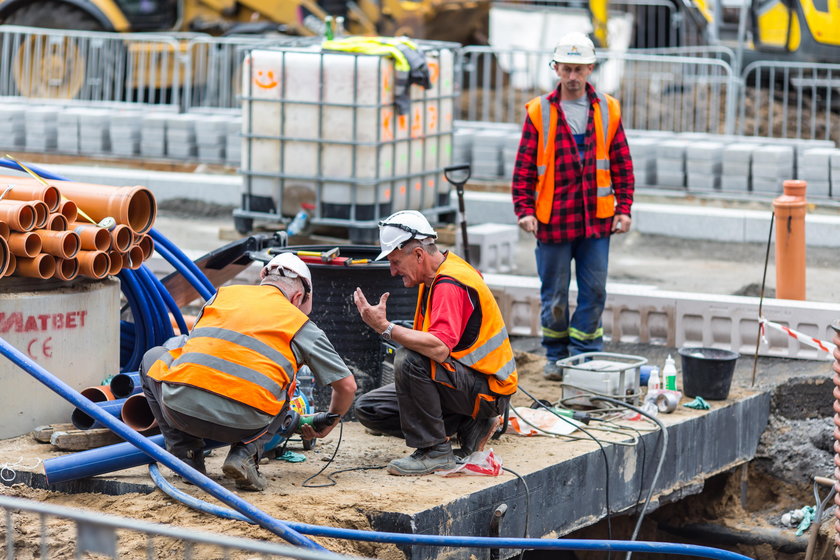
[(290, 266), (574, 48), (401, 227)]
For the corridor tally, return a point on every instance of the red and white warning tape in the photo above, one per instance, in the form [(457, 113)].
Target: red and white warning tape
[(827, 347)]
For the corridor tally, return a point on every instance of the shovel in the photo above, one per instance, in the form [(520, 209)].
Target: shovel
[(458, 175)]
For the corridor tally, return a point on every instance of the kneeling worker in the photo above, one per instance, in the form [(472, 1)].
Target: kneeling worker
[(230, 379), (454, 371)]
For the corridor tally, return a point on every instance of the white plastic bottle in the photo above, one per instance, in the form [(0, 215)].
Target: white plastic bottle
[(654, 384), (669, 373)]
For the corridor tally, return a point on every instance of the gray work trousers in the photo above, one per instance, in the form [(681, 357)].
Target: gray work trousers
[(183, 433), (423, 410)]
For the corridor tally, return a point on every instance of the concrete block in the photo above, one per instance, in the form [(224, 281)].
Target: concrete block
[(485, 207), (703, 182), (672, 149), (664, 179), (720, 224), (669, 165), (767, 185), (642, 147), (705, 151), (492, 247), (818, 189), (735, 183), (815, 164), (703, 167)]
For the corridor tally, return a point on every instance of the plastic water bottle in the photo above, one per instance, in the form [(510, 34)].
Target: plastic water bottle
[(669, 372), (298, 223), (654, 384)]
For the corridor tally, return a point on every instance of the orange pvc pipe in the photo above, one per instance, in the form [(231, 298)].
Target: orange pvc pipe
[(41, 266), (137, 414), (133, 206), (66, 269), (135, 257), (5, 230), (116, 262), (93, 238), (12, 265), (98, 393), (61, 244), (790, 209), (69, 209), (5, 256), (26, 244), (25, 188), (121, 237), (18, 215), (147, 245), (56, 222), (41, 213), (94, 264)]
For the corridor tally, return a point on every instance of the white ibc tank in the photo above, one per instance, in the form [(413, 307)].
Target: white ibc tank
[(326, 122), (72, 332)]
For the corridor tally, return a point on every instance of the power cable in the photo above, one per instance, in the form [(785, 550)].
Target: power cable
[(329, 462), (527, 506), (761, 296)]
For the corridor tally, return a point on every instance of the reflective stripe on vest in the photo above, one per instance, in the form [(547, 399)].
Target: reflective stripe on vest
[(240, 348), (491, 353), (543, 115)]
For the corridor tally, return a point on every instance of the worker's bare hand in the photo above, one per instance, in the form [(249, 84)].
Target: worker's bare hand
[(374, 316), (528, 224), (307, 432), (621, 223)]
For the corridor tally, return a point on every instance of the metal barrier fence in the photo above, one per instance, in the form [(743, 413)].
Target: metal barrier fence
[(36, 530), (791, 100), (674, 93)]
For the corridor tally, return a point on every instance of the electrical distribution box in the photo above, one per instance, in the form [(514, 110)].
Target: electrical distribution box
[(601, 373)]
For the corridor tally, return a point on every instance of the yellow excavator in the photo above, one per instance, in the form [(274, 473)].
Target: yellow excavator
[(803, 30)]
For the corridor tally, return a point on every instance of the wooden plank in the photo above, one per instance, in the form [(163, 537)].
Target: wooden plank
[(79, 440), (44, 433)]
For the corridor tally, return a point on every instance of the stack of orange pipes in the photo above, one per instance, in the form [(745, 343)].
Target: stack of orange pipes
[(53, 231)]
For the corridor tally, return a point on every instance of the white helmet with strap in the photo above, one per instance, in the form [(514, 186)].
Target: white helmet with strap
[(401, 227), (290, 266), (574, 48)]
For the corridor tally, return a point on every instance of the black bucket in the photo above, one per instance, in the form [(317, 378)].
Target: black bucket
[(707, 372), (335, 313)]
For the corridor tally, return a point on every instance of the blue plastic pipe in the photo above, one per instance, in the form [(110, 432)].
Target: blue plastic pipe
[(155, 451), (83, 421), (125, 384), (453, 541)]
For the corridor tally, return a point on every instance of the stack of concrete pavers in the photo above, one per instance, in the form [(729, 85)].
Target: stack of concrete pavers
[(643, 153), (12, 126), (233, 141), (180, 136), (510, 148), (211, 137), (67, 136), (815, 168), (125, 132), (835, 174), (41, 128), (492, 247), (670, 163), (94, 131), (771, 167), (153, 134), (487, 153), (462, 141), (736, 168), (704, 162)]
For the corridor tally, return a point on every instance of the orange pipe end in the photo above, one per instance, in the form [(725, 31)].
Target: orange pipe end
[(61, 244), (66, 269), (94, 264), (137, 414), (69, 210), (147, 245), (5, 230), (93, 237), (5, 257), (790, 209), (41, 266), (121, 237), (97, 393), (56, 222), (42, 212), (18, 215), (12, 265), (135, 257), (116, 262), (26, 244), (26, 188)]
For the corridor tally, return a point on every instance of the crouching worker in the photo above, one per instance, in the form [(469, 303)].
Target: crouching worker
[(454, 371), (231, 378)]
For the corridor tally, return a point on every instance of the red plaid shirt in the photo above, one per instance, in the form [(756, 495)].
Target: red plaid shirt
[(575, 191)]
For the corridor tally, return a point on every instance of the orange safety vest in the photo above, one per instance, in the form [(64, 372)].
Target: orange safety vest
[(543, 115), (491, 353), (240, 348)]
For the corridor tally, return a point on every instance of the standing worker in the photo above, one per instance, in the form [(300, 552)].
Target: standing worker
[(454, 372), (231, 379), (572, 188)]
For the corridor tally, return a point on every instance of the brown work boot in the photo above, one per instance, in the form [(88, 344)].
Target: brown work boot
[(474, 434), (424, 461), (241, 466)]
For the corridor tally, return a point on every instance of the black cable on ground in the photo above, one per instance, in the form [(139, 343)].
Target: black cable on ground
[(335, 452), (761, 296), (603, 454), (664, 435), (527, 505)]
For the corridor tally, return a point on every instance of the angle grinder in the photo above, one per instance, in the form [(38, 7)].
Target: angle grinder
[(318, 421)]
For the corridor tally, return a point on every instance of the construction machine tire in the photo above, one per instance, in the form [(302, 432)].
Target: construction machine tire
[(61, 72)]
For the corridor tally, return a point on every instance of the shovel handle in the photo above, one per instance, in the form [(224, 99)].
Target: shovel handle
[(449, 174)]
